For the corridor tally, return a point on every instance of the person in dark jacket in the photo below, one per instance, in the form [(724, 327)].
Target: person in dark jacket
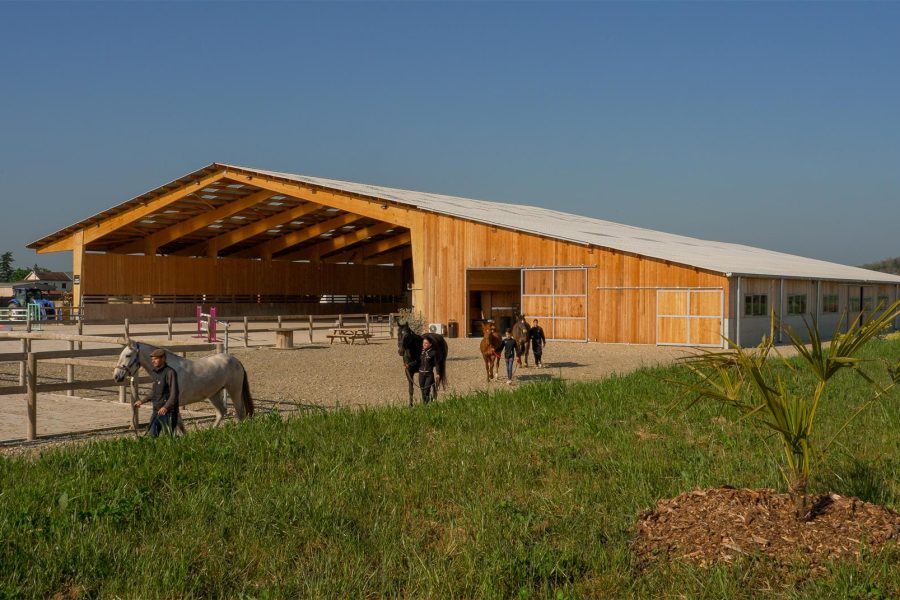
[(163, 395), (538, 341), (427, 361), (509, 345)]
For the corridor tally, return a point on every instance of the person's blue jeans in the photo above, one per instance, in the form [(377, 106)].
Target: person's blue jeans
[(509, 367), (163, 424)]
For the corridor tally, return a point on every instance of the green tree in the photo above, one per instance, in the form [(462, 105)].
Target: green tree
[(6, 268), (749, 381)]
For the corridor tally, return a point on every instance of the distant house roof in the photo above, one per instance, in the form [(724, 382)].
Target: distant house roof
[(48, 276)]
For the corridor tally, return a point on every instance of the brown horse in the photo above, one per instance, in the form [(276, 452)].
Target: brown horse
[(520, 334), (490, 350)]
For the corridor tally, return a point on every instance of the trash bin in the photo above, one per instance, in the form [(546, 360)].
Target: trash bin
[(452, 328)]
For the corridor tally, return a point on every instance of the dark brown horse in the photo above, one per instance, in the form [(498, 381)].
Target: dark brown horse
[(490, 349), (409, 346), (520, 334)]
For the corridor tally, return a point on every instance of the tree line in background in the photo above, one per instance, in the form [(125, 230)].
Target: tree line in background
[(888, 265), (8, 273)]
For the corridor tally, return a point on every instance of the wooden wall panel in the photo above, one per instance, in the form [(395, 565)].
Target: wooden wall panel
[(538, 282), (672, 302), (538, 306), (673, 330), (568, 329), (569, 307), (117, 274), (707, 331), (705, 303), (570, 282)]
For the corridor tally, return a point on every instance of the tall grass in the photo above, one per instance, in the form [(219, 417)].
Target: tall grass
[(529, 494)]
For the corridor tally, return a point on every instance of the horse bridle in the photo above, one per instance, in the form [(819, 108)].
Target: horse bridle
[(135, 359)]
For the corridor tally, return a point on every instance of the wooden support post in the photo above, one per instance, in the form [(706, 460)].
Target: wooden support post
[(169, 328), (246, 338), (122, 397), (310, 329), (31, 396), (26, 348), (70, 372), (367, 323), (279, 322), (340, 320), (127, 333)]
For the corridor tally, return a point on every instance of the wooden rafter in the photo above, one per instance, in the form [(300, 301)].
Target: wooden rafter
[(373, 209), (361, 253), (315, 253), (268, 248), (213, 246), (151, 243), (136, 213), (397, 256)]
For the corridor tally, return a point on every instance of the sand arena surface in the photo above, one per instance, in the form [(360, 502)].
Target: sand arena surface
[(316, 375)]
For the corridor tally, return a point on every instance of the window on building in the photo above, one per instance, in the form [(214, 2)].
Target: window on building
[(756, 305), (796, 304), (830, 303)]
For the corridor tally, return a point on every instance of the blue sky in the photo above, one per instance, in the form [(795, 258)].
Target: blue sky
[(768, 124)]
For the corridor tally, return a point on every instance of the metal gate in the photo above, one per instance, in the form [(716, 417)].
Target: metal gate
[(689, 317), (557, 297)]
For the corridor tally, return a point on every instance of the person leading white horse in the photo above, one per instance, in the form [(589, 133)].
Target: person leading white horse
[(201, 379)]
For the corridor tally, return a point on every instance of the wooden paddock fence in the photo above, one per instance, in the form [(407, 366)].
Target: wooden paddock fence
[(377, 325), (74, 357)]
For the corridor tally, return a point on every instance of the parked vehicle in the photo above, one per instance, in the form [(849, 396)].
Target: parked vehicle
[(32, 294)]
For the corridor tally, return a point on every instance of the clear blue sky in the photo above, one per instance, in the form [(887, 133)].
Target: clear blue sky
[(770, 124)]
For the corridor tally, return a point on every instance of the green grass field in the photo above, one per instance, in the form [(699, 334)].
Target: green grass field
[(530, 494)]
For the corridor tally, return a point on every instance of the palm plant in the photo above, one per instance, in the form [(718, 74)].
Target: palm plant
[(747, 380)]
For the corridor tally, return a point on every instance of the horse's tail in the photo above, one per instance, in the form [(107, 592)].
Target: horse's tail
[(442, 362), (245, 394)]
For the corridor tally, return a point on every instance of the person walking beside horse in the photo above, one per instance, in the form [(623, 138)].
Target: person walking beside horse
[(163, 396), (538, 341), (509, 353), (427, 363)]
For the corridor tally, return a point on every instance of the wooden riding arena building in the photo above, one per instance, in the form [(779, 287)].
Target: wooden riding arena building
[(260, 242)]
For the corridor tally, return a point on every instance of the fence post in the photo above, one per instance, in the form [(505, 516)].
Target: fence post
[(70, 372), (340, 320), (367, 323), (199, 318), (169, 327), (26, 348), (31, 396), (279, 322), (211, 326), (310, 329), (246, 341), (220, 348), (127, 333)]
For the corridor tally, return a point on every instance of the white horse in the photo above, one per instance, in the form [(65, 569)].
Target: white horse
[(202, 379)]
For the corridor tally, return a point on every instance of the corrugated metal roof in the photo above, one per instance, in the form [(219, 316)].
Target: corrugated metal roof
[(721, 257)]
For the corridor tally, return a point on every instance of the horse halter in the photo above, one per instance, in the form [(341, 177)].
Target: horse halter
[(133, 361)]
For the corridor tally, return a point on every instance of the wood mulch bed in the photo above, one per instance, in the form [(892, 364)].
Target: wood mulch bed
[(724, 524)]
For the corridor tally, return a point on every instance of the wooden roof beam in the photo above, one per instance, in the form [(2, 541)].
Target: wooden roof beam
[(213, 246), (267, 249), (315, 253), (148, 207), (151, 243), (372, 249), (397, 256), (379, 210)]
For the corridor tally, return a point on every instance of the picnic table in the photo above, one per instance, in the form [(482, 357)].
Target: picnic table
[(349, 335)]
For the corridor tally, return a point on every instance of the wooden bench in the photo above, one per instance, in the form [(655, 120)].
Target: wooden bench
[(349, 335)]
